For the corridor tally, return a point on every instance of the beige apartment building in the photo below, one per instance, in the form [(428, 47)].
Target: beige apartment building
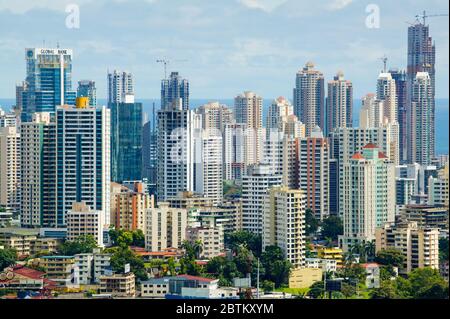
[(165, 227), (119, 285), (81, 220), (211, 238), (420, 246)]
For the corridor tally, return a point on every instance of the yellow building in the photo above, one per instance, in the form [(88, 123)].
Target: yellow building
[(304, 277), (58, 268), (331, 253)]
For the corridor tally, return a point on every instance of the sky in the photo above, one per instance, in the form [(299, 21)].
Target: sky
[(223, 47)]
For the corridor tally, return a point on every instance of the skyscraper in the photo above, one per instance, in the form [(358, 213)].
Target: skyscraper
[(38, 172), (83, 158), (48, 81), (314, 172), (215, 116), (150, 153), (368, 200), (339, 103), (421, 58), (126, 140), (174, 89), (175, 164), (120, 84), (422, 120), (401, 87), (10, 169), (309, 93), (248, 111), (86, 88)]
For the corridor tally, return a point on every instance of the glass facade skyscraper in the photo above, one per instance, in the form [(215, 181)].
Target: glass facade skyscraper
[(86, 88), (174, 89), (126, 140), (48, 81)]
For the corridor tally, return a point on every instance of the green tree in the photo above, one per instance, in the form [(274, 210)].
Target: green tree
[(8, 257), (332, 227), (390, 257), (443, 249), (387, 290), (244, 238), (426, 282), (312, 224), (81, 245), (122, 256), (138, 238), (348, 290), (268, 286), (277, 268), (316, 290)]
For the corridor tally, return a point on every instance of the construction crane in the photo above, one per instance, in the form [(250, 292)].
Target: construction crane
[(166, 62), (384, 59), (424, 15)]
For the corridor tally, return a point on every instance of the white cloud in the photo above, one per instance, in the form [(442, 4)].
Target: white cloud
[(338, 4), (265, 5)]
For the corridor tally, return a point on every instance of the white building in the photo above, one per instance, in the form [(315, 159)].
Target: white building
[(368, 195), (120, 84), (284, 223), (438, 188), (208, 164), (81, 220), (91, 266), (254, 189), (83, 161), (175, 163), (215, 115), (165, 227), (10, 169)]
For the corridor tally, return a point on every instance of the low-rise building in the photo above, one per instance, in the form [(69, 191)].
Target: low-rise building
[(118, 285), (334, 253), (155, 287), (420, 246), (329, 265), (91, 266), (426, 215), (59, 268), (304, 277), (372, 275)]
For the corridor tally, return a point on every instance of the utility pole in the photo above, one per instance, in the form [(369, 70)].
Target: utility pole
[(257, 280)]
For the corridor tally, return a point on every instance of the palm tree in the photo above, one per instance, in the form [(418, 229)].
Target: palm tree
[(369, 249)]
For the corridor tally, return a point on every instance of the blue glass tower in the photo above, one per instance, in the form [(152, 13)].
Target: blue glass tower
[(49, 81), (126, 140)]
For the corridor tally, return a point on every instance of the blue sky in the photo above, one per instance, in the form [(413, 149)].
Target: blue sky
[(229, 45)]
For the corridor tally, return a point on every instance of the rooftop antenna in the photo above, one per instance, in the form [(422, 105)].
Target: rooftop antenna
[(384, 59)]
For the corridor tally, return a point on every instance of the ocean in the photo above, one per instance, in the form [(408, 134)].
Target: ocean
[(442, 114)]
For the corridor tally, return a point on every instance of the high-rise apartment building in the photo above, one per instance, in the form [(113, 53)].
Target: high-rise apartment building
[(8, 119), (10, 169), (422, 120), (120, 84), (38, 172), (309, 94), (86, 88), (344, 142), (208, 164), (173, 90), (400, 79), (314, 172), (438, 188), (284, 223), (420, 90), (255, 184), (175, 163), (83, 158), (126, 140), (215, 116), (48, 81), (339, 103), (368, 196)]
